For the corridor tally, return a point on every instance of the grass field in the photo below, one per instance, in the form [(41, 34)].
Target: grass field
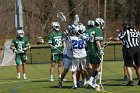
[(38, 80)]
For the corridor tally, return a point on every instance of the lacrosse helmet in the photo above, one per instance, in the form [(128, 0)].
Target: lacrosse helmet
[(20, 33), (91, 23), (71, 29), (80, 28), (56, 26), (99, 22)]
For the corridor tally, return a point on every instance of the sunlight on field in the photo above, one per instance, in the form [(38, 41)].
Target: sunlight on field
[(38, 80)]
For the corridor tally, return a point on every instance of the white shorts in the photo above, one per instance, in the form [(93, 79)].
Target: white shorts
[(67, 62), (76, 62)]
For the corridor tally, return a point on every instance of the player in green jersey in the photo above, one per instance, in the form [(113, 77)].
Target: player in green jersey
[(89, 30), (20, 45), (55, 40), (95, 49)]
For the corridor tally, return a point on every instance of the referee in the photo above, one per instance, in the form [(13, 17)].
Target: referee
[(131, 38), (131, 42)]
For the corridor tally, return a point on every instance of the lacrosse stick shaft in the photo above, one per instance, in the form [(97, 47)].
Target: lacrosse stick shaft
[(101, 68), (56, 49)]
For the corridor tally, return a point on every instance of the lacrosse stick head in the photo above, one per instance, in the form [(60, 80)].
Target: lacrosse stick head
[(61, 16), (100, 87)]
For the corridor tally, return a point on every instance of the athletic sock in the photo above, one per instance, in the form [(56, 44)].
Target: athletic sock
[(59, 76), (18, 74), (75, 82), (51, 76), (24, 75)]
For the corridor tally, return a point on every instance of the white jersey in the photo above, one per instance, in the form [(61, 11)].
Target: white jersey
[(68, 49), (78, 47)]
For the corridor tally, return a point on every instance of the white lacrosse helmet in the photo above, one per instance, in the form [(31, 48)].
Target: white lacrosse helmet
[(91, 23), (100, 22), (56, 26), (80, 28), (20, 33)]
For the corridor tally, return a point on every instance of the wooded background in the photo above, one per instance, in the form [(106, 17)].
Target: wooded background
[(38, 15)]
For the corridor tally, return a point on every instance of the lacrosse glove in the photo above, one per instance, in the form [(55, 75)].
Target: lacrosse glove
[(101, 51)]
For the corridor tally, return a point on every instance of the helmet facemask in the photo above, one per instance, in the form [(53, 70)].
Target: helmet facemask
[(20, 33), (56, 26), (100, 22)]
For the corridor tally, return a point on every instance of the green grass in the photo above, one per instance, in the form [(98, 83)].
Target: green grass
[(38, 80)]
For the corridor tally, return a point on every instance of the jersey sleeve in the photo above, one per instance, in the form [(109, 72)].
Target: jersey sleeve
[(27, 44), (50, 38), (99, 34), (122, 35)]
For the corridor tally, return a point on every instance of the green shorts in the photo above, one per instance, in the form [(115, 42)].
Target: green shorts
[(56, 57), (20, 58), (93, 57)]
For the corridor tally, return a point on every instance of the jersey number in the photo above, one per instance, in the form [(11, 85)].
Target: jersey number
[(133, 34), (58, 42), (19, 47), (92, 36), (77, 44)]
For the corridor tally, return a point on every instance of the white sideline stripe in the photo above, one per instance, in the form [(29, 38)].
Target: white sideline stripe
[(20, 80)]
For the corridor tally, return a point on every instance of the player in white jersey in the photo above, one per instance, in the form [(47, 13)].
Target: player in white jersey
[(79, 53), (67, 53)]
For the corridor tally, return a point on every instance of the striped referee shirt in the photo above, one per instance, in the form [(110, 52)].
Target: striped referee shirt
[(130, 38)]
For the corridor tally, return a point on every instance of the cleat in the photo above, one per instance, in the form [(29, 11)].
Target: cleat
[(64, 79), (74, 87), (59, 84), (93, 85), (130, 83), (139, 82), (24, 78), (51, 79), (18, 77), (88, 83)]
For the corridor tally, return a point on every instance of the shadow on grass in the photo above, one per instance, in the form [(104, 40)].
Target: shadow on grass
[(113, 84), (114, 80), (64, 87), (40, 81)]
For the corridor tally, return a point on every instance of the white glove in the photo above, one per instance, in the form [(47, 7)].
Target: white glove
[(101, 51)]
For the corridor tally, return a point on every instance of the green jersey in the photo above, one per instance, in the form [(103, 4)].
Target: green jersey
[(20, 44), (94, 35), (56, 40)]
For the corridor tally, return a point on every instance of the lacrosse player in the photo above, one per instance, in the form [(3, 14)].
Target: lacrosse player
[(20, 45), (90, 28), (95, 50), (79, 52), (68, 55), (55, 40)]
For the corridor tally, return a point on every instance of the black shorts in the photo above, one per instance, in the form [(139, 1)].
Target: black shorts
[(132, 55)]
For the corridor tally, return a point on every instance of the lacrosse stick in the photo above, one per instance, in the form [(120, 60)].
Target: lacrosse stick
[(62, 17), (56, 48), (100, 86)]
